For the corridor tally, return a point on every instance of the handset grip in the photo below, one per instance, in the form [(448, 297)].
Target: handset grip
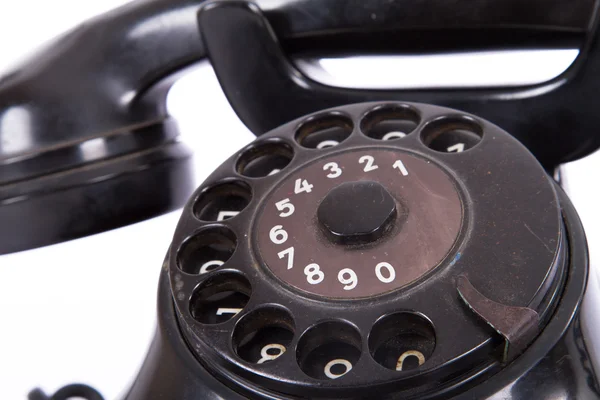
[(554, 119), (104, 77), (86, 144), (84, 128)]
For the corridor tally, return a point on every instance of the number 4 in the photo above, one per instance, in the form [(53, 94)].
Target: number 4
[(302, 186)]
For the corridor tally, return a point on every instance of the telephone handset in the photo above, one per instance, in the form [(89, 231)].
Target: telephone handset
[(84, 120), (374, 246)]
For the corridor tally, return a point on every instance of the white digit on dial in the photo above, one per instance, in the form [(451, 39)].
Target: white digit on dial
[(334, 168), (302, 186), (284, 205), (223, 215), (390, 271), (206, 267), (400, 165), (327, 143), (458, 148), (290, 253), (338, 361), (349, 282), (264, 352), (410, 353), (234, 311), (393, 135), (278, 235), (370, 163), (313, 273)]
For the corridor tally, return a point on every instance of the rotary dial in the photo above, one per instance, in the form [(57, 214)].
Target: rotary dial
[(359, 223)]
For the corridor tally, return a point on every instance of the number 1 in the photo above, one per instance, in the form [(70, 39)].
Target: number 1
[(400, 165)]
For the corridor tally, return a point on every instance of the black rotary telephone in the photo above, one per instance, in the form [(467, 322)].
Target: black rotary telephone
[(368, 244)]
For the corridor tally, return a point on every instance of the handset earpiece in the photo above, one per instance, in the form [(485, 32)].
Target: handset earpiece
[(86, 143)]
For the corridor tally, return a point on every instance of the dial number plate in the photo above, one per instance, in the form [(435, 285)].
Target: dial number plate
[(294, 246)]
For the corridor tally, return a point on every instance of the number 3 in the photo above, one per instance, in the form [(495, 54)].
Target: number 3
[(334, 168)]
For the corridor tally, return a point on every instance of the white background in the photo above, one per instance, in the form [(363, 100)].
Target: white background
[(84, 311)]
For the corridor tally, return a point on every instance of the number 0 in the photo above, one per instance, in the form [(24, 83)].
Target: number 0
[(390, 271)]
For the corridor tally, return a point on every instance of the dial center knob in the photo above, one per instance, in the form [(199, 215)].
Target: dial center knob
[(357, 212)]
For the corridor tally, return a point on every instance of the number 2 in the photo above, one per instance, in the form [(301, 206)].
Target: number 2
[(370, 163)]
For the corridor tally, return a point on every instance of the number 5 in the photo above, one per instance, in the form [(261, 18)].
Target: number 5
[(285, 205)]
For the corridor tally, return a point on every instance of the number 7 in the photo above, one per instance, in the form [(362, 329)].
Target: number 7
[(290, 253)]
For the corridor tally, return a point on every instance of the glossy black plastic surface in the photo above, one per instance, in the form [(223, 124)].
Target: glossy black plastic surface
[(106, 81), (557, 366), (356, 212), (556, 120), (86, 144), (515, 249)]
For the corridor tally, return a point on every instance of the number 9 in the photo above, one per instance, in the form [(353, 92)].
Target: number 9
[(349, 282)]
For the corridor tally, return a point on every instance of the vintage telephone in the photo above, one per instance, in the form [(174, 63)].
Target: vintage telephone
[(367, 244)]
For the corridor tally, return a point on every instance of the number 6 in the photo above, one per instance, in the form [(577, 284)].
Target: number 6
[(278, 235)]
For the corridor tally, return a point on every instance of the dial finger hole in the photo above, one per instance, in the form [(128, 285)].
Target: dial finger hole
[(220, 298), (263, 335), (223, 201), (402, 341), (329, 350), (324, 131), (206, 251), (264, 159), (452, 134), (390, 122)]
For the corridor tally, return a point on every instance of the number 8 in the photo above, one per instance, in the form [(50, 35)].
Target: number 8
[(312, 270)]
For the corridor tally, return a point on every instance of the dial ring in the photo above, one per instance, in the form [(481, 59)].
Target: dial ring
[(293, 245)]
